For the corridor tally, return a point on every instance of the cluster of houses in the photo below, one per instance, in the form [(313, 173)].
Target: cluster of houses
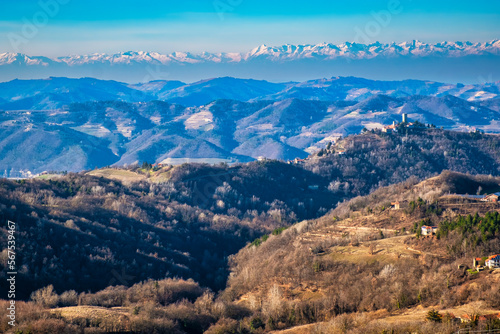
[(492, 262), (393, 127), (298, 161), (301, 161), (390, 128), (426, 230)]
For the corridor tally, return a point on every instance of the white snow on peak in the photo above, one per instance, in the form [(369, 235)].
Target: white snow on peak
[(287, 52), (19, 58)]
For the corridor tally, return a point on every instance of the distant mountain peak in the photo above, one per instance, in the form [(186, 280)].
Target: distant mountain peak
[(289, 52)]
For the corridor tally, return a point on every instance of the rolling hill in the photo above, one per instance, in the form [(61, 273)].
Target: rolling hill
[(184, 220), (224, 130), (361, 267), (54, 92), (364, 266)]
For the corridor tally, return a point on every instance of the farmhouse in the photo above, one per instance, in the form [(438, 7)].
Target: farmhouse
[(491, 197), (477, 262), (390, 128), (429, 230), (493, 261), (483, 198)]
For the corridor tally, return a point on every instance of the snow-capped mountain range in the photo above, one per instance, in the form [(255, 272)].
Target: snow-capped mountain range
[(324, 51)]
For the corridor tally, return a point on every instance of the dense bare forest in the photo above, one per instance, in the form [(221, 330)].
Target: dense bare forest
[(346, 270)]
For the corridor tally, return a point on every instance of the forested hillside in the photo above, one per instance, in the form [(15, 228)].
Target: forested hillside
[(184, 221), (362, 268), (366, 261), (85, 232), (362, 163)]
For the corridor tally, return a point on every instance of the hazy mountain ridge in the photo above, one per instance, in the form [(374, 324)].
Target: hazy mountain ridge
[(226, 119), (227, 130), (54, 93)]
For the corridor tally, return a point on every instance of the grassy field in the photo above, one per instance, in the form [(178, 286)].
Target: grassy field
[(112, 319), (128, 177), (124, 176), (49, 176), (416, 315), (90, 312)]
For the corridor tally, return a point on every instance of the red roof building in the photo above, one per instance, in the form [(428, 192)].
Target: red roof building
[(493, 261)]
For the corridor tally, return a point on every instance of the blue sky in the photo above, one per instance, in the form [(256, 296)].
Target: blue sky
[(82, 27)]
